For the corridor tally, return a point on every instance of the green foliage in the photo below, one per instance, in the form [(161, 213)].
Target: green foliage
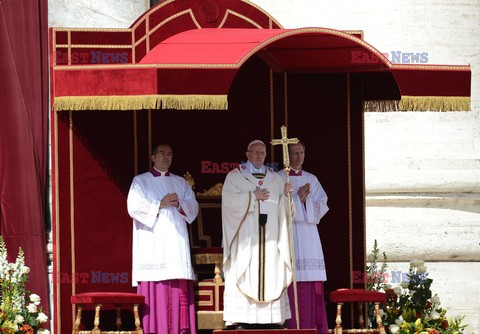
[(375, 280)]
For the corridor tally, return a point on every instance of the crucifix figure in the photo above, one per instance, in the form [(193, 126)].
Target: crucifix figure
[(285, 141)]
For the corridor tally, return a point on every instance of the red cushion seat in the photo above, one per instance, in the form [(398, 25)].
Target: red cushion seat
[(356, 295), (107, 298)]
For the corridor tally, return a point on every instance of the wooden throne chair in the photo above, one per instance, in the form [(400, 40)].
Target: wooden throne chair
[(207, 257)]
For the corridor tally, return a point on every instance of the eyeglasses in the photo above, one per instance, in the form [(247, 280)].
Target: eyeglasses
[(260, 153), (164, 154)]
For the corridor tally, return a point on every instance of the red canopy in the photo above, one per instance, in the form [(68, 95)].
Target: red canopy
[(286, 50), (195, 68)]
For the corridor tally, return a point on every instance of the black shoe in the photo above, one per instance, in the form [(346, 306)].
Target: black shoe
[(242, 326), (258, 326), (230, 328)]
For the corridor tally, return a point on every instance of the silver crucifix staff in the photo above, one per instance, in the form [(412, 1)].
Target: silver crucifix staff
[(286, 164)]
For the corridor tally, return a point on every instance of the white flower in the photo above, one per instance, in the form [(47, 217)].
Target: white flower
[(25, 270), (411, 292), (436, 299), (15, 328), (32, 308), (399, 321), (394, 329), (19, 319), (421, 269), (387, 286), (34, 298), (42, 317), (404, 285), (43, 331), (397, 290), (434, 315), (416, 263)]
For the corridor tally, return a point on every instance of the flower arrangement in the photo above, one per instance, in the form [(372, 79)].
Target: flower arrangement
[(20, 310), (375, 275), (410, 307)]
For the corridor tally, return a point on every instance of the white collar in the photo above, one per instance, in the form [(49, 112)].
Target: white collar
[(166, 173), (252, 169)]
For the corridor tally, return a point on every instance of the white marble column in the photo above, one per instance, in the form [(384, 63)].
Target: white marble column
[(95, 14)]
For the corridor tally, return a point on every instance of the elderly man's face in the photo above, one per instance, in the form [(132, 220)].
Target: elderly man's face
[(257, 154)]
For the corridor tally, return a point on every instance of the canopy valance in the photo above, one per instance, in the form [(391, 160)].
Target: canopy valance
[(195, 68)]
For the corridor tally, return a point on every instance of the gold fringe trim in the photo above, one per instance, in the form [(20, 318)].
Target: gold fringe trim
[(141, 102), (380, 105), (420, 103), (188, 102), (134, 102), (435, 103)]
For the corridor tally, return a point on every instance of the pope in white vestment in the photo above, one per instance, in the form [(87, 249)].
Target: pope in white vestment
[(310, 201), (161, 205), (257, 263)]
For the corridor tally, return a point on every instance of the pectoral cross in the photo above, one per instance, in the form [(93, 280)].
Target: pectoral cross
[(286, 164), (284, 142)]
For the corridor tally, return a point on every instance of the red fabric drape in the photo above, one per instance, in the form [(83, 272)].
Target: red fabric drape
[(23, 135)]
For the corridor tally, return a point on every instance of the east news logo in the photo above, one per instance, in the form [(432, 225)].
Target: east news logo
[(397, 57), (92, 57)]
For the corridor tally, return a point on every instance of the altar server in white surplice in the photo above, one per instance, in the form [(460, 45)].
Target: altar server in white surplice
[(256, 252), (161, 204), (310, 202)]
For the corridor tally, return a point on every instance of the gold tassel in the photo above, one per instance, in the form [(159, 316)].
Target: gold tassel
[(420, 103), (435, 103), (123, 102), (140, 102), (189, 102), (381, 105)]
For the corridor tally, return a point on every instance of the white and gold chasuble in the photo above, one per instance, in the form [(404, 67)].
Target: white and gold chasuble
[(256, 263)]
